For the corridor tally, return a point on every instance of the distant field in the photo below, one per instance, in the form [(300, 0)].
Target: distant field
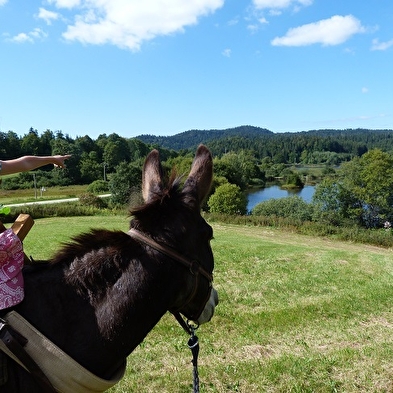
[(30, 195), (296, 314)]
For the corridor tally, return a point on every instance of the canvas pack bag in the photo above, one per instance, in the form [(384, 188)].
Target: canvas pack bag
[(11, 264)]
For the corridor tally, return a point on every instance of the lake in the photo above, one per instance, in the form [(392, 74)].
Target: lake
[(270, 192)]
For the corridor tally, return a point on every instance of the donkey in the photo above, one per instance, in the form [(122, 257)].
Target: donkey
[(101, 293)]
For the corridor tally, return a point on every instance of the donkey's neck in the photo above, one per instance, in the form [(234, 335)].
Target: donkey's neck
[(130, 308)]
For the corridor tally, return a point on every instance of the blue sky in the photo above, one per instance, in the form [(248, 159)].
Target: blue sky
[(162, 67)]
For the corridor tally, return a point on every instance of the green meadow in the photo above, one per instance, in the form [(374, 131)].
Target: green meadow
[(297, 313)]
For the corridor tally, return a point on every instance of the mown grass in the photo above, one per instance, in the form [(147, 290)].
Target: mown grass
[(297, 313)]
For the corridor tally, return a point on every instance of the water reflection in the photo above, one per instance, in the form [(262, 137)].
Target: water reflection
[(263, 194)]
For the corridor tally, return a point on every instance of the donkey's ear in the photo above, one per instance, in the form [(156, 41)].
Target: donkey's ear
[(152, 174), (200, 178)]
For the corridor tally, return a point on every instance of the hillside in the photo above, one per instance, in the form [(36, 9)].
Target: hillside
[(330, 146), (192, 138), (296, 314)]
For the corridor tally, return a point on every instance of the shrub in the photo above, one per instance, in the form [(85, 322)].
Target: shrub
[(89, 199), (126, 178), (98, 186), (292, 207), (228, 199)]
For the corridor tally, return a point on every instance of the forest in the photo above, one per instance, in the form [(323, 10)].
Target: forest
[(330, 147), (358, 168), (309, 147), (243, 155)]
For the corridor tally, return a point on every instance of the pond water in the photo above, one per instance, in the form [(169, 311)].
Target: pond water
[(270, 192)]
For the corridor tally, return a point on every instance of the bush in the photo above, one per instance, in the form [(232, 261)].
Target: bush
[(126, 178), (228, 199), (92, 200), (98, 187), (292, 207)]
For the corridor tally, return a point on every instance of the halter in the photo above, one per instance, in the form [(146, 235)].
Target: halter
[(195, 269), (193, 265)]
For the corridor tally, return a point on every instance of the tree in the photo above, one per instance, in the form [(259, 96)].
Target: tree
[(363, 190), (181, 165), (126, 179), (115, 152), (239, 168), (370, 179), (62, 145), (90, 167), (291, 179), (46, 140), (228, 199), (87, 145), (334, 204), (138, 149), (31, 143)]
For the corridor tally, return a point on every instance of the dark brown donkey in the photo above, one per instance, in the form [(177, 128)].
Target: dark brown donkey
[(101, 294)]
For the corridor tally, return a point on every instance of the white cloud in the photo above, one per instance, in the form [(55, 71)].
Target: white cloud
[(128, 23), (233, 22), (253, 28), (2, 2), (34, 35), (381, 45), (280, 4), (226, 52), (47, 16), (333, 31), (65, 3), (21, 37), (275, 12), (364, 90)]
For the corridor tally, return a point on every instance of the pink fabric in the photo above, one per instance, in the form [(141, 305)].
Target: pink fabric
[(11, 263)]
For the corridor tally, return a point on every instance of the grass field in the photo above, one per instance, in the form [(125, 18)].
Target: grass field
[(296, 314), (31, 195)]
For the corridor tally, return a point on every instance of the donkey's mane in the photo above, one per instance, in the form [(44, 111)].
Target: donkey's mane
[(98, 239), (91, 241)]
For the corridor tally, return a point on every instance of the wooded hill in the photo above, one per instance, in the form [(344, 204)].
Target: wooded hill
[(307, 146), (192, 138)]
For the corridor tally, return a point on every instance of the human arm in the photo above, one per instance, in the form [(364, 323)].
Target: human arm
[(27, 163)]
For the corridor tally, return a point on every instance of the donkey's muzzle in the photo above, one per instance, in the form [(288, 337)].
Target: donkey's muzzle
[(208, 311)]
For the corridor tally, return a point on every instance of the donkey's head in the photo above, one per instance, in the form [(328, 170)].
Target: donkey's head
[(171, 217)]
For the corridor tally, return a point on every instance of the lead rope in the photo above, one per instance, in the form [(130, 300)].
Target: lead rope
[(193, 344)]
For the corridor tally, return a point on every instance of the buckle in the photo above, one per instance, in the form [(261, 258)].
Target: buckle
[(194, 267)]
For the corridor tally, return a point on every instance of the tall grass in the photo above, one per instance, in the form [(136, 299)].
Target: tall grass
[(297, 313), (353, 233), (32, 195)]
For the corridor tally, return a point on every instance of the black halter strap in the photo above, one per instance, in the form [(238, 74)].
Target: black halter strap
[(195, 268), (194, 265)]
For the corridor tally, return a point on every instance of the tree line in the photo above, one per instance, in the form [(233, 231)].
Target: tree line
[(359, 192), (91, 159), (328, 146)]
